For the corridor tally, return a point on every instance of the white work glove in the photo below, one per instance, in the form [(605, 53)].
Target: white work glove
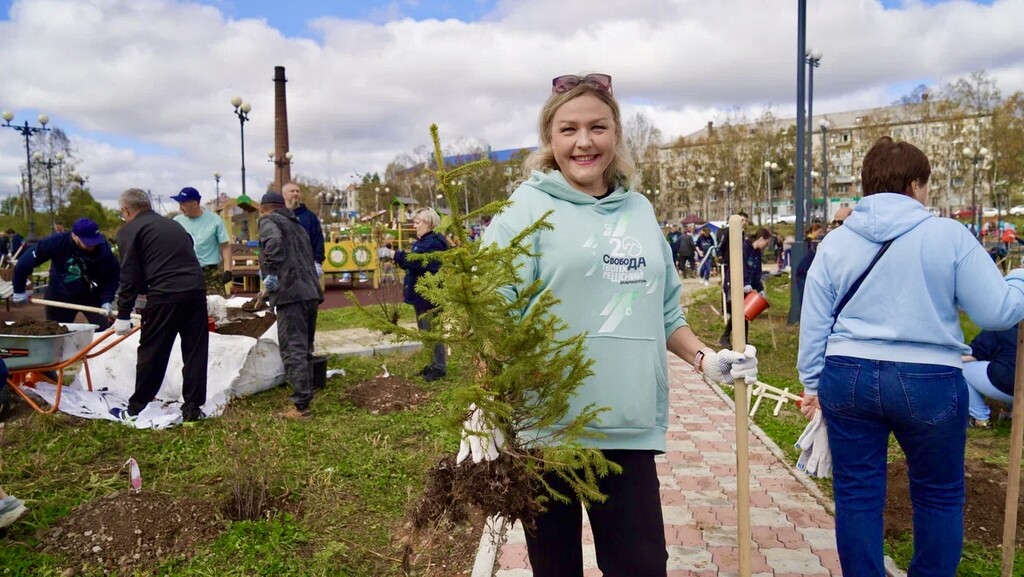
[(122, 326), (19, 298), (725, 366), (815, 457), (108, 309), (319, 269), (477, 438), (747, 288)]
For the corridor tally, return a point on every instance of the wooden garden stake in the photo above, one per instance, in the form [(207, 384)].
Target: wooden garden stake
[(739, 338), (1016, 440)]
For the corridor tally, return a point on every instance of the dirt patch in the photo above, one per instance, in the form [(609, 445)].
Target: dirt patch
[(250, 327), (124, 531), (255, 304), (386, 395), (32, 327), (983, 510)]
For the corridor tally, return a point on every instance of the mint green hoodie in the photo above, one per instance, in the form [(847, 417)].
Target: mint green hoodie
[(610, 266)]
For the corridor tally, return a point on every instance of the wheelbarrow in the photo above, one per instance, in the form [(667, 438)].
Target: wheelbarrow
[(34, 359)]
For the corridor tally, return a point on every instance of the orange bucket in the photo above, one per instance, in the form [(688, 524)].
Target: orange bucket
[(753, 305)]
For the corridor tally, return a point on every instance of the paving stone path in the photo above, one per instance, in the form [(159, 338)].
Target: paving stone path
[(793, 534)]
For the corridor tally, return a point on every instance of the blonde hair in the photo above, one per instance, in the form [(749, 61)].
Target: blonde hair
[(429, 216), (621, 171)]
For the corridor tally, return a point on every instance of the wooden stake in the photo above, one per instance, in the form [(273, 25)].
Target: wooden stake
[(739, 338), (1016, 441)]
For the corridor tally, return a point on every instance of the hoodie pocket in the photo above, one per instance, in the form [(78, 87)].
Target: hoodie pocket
[(627, 380)]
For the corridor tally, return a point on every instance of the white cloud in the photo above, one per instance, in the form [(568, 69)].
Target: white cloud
[(143, 86)]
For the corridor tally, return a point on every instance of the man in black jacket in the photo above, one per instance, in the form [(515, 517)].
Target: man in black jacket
[(286, 258), (310, 223), (157, 260)]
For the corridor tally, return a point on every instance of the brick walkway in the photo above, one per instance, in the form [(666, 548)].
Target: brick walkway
[(793, 534)]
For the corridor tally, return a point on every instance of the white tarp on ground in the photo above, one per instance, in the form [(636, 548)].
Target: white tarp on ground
[(238, 366)]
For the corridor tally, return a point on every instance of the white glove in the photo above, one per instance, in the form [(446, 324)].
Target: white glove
[(108, 309), (747, 288), (122, 326), (477, 438), (815, 458), (726, 366), (319, 269), (19, 298)]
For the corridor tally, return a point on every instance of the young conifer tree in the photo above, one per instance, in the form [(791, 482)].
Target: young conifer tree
[(522, 369)]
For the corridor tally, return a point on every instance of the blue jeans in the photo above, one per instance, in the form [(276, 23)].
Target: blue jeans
[(979, 387), (925, 406)]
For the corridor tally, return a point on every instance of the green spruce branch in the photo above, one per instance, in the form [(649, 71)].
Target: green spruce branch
[(522, 373)]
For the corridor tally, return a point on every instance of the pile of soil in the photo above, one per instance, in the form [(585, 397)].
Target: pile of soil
[(124, 531), (386, 395), (250, 327), (33, 327), (255, 304), (983, 510)]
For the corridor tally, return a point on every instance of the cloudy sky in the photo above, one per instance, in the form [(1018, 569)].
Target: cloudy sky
[(143, 87)]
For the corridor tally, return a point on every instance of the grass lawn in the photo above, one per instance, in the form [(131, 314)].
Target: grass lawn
[(338, 484), (776, 343)]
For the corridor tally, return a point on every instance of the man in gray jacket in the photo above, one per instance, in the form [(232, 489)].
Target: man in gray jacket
[(285, 257)]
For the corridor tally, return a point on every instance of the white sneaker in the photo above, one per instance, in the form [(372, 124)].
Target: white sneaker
[(11, 509), (705, 283)]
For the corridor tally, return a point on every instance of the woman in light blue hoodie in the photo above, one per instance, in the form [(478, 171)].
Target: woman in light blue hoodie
[(610, 266), (889, 361)]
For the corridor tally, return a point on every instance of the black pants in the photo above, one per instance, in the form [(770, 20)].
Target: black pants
[(629, 533), (62, 315), (296, 327), (687, 262), (160, 325), (726, 338)]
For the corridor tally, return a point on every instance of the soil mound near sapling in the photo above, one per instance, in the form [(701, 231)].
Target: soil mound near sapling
[(382, 395), (249, 327), (32, 327), (984, 508), (255, 304), (124, 532)]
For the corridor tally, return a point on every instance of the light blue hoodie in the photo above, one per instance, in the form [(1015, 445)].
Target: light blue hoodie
[(907, 308), (611, 267)]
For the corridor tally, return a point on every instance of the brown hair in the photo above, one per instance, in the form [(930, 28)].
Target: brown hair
[(892, 166), (621, 171), (761, 233)]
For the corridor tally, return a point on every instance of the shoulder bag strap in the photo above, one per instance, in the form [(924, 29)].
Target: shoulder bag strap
[(860, 280)]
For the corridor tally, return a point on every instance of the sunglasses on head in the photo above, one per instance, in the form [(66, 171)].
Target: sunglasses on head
[(567, 82), (837, 223)]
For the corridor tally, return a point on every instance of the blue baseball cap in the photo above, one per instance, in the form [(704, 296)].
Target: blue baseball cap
[(88, 232), (188, 193)]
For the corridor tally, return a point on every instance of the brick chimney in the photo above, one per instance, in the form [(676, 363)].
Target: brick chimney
[(282, 168)]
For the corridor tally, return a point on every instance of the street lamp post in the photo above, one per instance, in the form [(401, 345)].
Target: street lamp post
[(242, 111), (216, 179), (813, 59), (770, 167), (27, 131), (729, 185), (280, 163), (976, 157), (825, 125), (49, 163)]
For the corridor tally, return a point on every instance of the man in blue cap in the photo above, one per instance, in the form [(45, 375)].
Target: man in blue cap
[(83, 271), (209, 239)]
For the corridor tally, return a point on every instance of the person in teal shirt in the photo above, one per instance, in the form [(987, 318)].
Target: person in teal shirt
[(209, 239)]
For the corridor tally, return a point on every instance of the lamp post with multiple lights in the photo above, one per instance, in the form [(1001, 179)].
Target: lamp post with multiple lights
[(980, 156), (824, 125), (280, 163), (813, 58), (49, 163), (242, 112), (28, 131), (769, 168)]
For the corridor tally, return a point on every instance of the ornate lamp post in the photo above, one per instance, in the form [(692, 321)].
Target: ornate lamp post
[(729, 185), (27, 131), (976, 157), (49, 163), (280, 163), (242, 112), (825, 197), (376, 196), (813, 58), (216, 179), (769, 168)]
